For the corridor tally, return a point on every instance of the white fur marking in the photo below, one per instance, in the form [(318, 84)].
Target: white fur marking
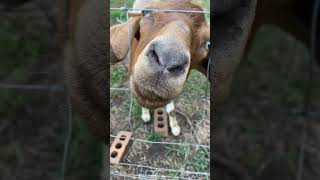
[(170, 107), (145, 115), (175, 128)]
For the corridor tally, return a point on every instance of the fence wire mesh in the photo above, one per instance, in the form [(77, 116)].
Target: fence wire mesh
[(147, 157)]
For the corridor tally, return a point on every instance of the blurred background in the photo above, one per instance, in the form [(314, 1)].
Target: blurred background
[(34, 109), (258, 132)]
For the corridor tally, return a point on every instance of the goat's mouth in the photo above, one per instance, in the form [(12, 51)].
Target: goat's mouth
[(153, 95), (148, 98)]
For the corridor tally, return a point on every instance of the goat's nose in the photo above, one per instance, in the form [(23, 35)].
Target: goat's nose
[(168, 56)]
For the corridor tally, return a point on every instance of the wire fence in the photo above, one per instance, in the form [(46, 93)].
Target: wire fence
[(168, 143), (154, 171)]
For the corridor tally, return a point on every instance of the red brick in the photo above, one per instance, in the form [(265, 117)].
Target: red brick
[(161, 122), (120, 147)]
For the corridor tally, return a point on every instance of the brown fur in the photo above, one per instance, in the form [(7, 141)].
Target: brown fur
[(196, 22), (86, 69)]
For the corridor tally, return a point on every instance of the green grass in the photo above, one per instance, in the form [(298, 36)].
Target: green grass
[(178, 151), (114, 14), (154, 137), (135, 112), (197, 161), (196, 84), (118, 75), (200, 161)]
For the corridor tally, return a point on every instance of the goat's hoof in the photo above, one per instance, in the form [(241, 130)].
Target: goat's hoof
[(176, 130), (146, 117)]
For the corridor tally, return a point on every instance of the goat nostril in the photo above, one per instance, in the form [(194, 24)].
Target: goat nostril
[(151, 53), (177, 68)]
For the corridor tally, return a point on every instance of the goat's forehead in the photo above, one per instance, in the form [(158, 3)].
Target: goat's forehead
[(190, 17), (159, 20)]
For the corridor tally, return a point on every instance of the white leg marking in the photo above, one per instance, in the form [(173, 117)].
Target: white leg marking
[(175, 128), (145, 115)]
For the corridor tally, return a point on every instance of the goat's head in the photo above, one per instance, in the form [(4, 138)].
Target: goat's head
[(165, 46)]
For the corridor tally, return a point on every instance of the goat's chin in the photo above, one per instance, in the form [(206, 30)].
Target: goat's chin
[(153, 96), (150, 104)]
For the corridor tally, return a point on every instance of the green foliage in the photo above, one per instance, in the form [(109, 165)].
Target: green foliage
[(179, 151), (200, 161), (173, 174), (116, 14), (118, 75), (154, 137), (135, 112), (196, 84)]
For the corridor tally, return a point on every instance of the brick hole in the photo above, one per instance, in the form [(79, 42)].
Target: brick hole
[(160, 118), (123, 137), (114, 154), (118, 145), (160, 125)]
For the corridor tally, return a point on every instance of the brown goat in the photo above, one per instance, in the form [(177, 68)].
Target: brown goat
[(165, 46)]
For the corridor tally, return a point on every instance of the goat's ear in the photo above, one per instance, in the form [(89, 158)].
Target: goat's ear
[(119, 38), (203, 66)]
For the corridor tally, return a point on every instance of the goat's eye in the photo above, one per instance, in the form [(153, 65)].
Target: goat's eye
[(208, 45), (146, 13)]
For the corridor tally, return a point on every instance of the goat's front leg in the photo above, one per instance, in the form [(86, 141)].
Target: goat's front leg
[(145, 115), (175, 128)]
